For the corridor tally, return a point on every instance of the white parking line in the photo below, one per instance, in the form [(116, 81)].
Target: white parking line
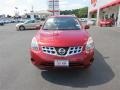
[(116, 30)]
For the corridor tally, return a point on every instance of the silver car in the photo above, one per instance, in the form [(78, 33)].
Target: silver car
[(29, 24)]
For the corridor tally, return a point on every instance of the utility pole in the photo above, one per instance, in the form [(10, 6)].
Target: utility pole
[(32, 8), (16, 12), (53, 7)]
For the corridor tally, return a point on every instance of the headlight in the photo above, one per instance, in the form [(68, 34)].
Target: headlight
[(90, 44), (34, 44)]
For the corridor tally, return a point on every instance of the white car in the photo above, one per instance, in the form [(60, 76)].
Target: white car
[(91, 22), (29, 24), (83, 19), (1, 22)]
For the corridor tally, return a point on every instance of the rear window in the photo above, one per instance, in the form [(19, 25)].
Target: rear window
[(62, 23)]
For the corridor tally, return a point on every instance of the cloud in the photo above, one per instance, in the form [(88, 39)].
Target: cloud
[(63, 2), (11, 2), (8, 6), (68, 5)]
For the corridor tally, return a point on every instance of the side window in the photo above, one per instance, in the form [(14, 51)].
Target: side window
[(33, 21), (37, 21), (29, 22)]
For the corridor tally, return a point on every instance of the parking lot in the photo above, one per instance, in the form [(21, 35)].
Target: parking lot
[(17, 72)]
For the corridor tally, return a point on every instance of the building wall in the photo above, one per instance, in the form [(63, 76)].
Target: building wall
[(95, 4), (109, 11), (2, 16), (39, 14), (118, 22)]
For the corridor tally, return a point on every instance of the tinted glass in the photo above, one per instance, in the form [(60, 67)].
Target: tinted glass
[(29, 21), (62, 23)]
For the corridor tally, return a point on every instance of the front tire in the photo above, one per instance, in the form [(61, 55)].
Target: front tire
[(88, 66), (21, 28)]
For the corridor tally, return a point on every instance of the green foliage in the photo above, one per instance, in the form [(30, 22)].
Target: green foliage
[(81, 13)]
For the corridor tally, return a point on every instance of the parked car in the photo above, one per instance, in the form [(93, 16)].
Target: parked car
[(62, 42), (106, 22), (7, 21), (91, 22), (29, 24), (83, 19), (1, 22), (42, 19), (12, 20)]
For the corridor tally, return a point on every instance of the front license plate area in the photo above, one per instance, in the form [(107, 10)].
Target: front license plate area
[(61, 63)]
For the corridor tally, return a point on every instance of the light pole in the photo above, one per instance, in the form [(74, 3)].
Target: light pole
[(16, 12), (25, 11), (53, 7)]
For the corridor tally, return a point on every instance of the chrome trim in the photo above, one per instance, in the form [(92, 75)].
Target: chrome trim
[(70, 51)]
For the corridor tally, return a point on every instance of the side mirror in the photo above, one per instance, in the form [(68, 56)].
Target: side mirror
[(38, 27), (86, 27)]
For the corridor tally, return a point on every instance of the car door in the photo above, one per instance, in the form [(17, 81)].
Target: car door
[(30, 24), (34, 23), (37, 23)]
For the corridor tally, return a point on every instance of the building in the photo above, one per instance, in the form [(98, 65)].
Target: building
[(42, 14), (53, 6), (2, 16), (105, 9)]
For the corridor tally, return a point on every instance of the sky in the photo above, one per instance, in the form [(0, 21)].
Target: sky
[(8, 6)]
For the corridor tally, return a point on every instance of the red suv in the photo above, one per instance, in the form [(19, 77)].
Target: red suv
[(62, 42)]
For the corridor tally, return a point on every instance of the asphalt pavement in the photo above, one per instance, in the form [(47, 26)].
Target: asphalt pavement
[(17, 72)]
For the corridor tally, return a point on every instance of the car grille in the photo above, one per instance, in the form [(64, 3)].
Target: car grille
[(62, 51)]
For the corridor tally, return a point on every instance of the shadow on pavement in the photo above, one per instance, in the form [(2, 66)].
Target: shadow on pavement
[(99, 73)]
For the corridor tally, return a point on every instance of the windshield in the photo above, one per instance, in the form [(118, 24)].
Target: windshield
[(62, 23)]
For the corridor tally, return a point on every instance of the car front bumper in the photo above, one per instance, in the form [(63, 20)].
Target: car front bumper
[(17, 27), (46, 61)]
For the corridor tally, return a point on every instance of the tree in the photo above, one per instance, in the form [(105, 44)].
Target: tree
[(81, 13), (8, 16)]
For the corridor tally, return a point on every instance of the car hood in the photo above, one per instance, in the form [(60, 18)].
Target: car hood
[(62, 38)]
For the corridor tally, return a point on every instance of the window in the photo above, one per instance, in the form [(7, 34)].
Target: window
[(62, 23), (30, 21)]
